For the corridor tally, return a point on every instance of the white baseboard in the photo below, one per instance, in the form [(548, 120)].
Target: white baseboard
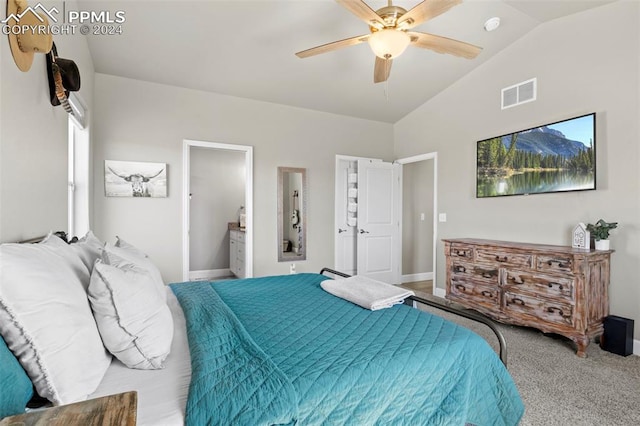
[(209, 274), (440, 292), (636, 347), (409, 278)]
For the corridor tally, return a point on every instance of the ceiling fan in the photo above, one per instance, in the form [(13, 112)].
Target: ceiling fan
[(389, 33)]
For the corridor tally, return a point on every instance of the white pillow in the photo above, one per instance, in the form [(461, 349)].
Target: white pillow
[(124, 250), (134, 321), (46, 320), (88, 248)]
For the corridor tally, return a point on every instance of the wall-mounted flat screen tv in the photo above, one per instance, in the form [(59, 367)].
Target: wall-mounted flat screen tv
[(555, 157)]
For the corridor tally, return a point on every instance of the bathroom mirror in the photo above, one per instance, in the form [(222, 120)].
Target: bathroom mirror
[(292, 214)]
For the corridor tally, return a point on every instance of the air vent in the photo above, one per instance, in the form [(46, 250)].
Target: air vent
[(520, 93)]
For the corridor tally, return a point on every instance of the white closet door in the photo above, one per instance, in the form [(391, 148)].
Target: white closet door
[(345, 237), (378, 239)]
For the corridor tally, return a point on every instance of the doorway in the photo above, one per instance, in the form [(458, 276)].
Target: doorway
[(209, 207), (367, 218), (419, 222), (411, 249)]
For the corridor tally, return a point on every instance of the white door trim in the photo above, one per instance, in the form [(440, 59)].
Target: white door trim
[(248, 203), (414, 159)]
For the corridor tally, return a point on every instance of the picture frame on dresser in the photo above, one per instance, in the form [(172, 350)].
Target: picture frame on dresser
[(556, 289)]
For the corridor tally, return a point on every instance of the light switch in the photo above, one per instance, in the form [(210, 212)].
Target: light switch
[(442, 217)]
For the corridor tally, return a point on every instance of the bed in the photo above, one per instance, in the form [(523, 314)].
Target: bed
[(280, 350)]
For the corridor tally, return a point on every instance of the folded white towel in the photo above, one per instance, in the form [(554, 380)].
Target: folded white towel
[(366, 292), (352, 192), (352, 207), (352, 221), (352, 178)]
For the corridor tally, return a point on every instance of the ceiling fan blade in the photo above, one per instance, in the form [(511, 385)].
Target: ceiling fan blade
[(424, 11), (329, 47), (444, 45), (382, 69), (363, 11)]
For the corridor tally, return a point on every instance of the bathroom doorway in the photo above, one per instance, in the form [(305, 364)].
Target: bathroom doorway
[(218, 187)]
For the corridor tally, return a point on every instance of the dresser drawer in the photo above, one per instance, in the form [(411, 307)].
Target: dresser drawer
[(540, 284), (553, 312), (554, 263), (461, 250), (483, 274), (461, 289), (504, 257)]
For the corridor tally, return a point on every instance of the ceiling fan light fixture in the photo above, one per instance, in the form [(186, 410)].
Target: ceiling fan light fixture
[(389, 43)]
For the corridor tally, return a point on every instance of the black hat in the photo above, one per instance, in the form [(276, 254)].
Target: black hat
[(68, 71)]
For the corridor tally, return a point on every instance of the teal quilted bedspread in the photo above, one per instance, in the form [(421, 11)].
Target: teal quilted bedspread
[(280, 350)]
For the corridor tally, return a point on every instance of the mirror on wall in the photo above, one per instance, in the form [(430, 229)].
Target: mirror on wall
[(292, 214)]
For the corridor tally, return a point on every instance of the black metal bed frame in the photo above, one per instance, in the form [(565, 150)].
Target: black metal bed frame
[(411, 301), (446, 306)]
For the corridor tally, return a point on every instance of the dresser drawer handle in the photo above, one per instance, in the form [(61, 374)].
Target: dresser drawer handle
[(554, 310), (487, 273), (502, 258), (460, 287), (561, 263), (486, 293), (559, 285), (517, 279), (461, 253), (517, 301), (459, 268)]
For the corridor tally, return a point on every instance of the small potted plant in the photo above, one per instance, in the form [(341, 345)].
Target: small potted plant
[(600, 233)]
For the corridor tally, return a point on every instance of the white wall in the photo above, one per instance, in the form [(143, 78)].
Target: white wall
[(33, 141), (218, 190), (584, 63), (142, 121)]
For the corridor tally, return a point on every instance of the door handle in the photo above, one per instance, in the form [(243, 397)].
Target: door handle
[(340, 230), (362, 231)]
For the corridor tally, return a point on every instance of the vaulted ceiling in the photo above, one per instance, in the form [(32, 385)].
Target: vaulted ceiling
[(247, 49)]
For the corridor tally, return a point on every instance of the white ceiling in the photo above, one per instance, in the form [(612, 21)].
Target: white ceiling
[(247, 49)]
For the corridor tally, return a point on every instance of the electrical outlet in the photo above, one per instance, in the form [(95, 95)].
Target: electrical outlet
[(442, 217), (292, 268), (422, 216)]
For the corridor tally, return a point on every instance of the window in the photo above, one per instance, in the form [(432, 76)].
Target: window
[(79, 170)]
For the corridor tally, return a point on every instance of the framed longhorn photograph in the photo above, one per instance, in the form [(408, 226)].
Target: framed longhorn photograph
[(135, 179)]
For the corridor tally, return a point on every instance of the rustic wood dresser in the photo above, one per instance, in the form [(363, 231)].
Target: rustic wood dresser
[(556, 289)]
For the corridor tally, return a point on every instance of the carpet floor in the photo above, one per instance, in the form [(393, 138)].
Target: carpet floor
[(557, 387)]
